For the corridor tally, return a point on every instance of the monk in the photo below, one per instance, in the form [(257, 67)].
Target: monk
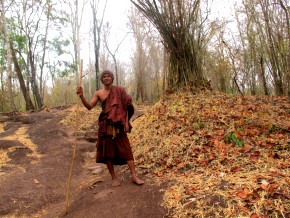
[(113, 146)]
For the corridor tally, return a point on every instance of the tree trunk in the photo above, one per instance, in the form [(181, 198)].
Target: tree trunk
[(288, 51), (9, 69), (116, 70), (276, 71), (41, 83), (96, 33), (25, 92), (97, 27), (78, 25), (33, 80), (2, 102), (264, 81), (165, 69)]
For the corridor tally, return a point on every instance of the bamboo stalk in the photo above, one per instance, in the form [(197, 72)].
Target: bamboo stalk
[(74, 144)]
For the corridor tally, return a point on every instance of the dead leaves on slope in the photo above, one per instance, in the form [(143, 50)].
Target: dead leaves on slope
[(224, 156)]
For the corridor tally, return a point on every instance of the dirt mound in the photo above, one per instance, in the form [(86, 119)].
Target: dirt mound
[(222, 155)]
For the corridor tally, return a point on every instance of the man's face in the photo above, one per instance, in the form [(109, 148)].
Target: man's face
[(107, 79)]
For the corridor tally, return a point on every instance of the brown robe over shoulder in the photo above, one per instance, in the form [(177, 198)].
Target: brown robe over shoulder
[(117, 110)]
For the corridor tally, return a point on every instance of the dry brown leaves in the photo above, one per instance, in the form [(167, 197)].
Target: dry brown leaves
[(222, 155), (80, 118)]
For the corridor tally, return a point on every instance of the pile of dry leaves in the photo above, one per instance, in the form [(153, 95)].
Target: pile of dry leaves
[(80, 118), (221, 155)]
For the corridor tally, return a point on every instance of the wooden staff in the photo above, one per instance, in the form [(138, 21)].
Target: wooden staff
[(75, 144)]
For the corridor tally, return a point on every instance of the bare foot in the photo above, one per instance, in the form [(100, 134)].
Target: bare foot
[(137, 181), (115, 183)]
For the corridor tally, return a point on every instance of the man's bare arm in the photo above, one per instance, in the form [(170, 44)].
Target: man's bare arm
[(93, 101)]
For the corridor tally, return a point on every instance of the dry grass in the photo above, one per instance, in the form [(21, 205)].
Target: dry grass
[(21, 136)]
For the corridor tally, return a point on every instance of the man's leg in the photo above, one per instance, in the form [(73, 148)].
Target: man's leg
[(135, 179), (115, 181)]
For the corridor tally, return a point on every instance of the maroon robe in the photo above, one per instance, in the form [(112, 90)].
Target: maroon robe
[(117, 110)]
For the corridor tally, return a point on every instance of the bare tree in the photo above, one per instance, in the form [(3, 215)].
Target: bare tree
[(24, 89), (264, 36), (254, 49), (11, 57), (285, 7), (273, 49), (148, 63), (76, 16), (30, 25), (235, 79), (42, 64), (140, 58), (218, 65), (155, 67), (114, 52), (4, 30), (97, 28)]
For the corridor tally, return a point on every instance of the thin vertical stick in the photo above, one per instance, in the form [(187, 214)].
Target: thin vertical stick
[(74, 145)]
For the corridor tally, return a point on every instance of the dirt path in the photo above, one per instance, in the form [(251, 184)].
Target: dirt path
[(33, 183)]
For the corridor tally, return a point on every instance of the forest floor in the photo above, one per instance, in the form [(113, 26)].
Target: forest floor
[(204, 155)]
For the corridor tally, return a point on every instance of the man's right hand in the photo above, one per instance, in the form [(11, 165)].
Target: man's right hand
[(80, 91)]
